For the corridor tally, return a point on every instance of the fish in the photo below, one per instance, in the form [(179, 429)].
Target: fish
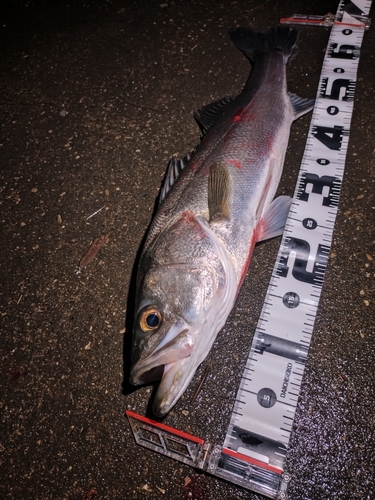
[(215, 205)]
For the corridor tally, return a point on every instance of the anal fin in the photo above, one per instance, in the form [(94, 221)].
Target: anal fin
[(272, 223)]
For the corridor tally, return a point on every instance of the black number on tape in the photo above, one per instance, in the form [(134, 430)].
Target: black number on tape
[(312, 183), (300, 250)]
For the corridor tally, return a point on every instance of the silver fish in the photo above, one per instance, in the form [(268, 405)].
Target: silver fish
[(215, 205)]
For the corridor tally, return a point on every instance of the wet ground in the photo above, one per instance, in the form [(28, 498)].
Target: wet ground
[(95, 98)]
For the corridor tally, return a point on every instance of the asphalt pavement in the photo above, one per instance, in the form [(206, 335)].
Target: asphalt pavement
[(96, 97)]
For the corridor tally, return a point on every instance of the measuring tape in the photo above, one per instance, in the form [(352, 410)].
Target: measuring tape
[(255, 446)]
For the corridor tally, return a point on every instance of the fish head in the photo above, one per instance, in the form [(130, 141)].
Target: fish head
[(184, 294)]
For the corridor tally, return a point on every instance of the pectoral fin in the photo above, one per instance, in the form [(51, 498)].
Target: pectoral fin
[(219, 193), (273, 221)]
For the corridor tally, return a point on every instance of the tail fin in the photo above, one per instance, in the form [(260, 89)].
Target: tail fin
[(250, 42)]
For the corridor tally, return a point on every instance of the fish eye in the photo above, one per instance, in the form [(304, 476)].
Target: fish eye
[(150, 319)]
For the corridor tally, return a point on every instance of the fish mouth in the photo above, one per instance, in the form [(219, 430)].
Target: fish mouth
[(157, 364), (176, 378)]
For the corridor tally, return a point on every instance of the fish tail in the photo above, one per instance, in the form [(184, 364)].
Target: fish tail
[(251, 42)]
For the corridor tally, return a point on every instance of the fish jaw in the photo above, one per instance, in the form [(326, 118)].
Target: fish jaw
[(175, 346), (175, 379)]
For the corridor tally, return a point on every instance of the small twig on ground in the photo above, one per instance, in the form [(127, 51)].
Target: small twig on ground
[(199, 388), (92, 252), (92, 215)]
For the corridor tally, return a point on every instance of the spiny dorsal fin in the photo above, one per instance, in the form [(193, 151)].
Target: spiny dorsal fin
[(175, 167), (208, 115), (219, 193), (300, 105)]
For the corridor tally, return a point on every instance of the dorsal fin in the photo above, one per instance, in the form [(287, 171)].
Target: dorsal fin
[(208, 115), (175, 167)]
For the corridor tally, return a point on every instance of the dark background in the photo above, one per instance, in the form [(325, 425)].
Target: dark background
[(95, 98)]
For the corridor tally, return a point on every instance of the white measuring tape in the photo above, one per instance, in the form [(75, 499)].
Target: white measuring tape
[(255, 447)]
